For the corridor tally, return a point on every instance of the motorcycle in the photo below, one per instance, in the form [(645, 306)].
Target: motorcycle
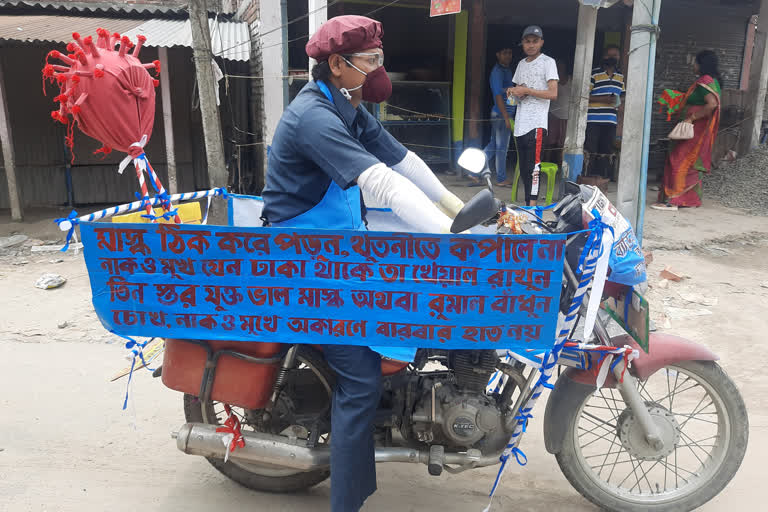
[(666, 433)]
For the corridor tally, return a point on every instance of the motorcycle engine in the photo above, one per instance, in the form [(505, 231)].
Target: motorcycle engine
[(457, 412)]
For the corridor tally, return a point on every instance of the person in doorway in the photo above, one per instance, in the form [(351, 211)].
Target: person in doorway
[(536, 78), (606, 89), (502, 114), (558, 115), (689, 159), (326, 153)]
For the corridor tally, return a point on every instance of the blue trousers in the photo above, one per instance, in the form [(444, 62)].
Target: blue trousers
[(498, 146), (355, 400)]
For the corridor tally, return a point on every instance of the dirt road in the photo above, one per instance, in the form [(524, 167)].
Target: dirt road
[(66, 445)]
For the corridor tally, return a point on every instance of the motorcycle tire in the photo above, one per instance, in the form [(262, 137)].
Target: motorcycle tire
[(732, 424), (268, 478)]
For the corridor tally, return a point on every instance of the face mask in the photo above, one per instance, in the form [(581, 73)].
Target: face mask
[(610, 62), (376, 88)]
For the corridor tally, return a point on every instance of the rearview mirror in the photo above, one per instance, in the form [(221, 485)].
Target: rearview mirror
[(477, 210), (473, 160)]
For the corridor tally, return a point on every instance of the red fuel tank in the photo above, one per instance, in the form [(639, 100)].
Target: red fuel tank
[(237, 382)]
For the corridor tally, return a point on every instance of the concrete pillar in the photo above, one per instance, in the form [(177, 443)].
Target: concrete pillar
[(9, 160), (165, 91), (272, 44), (758, 84), (318, 14), (634, 112), (573, 158)]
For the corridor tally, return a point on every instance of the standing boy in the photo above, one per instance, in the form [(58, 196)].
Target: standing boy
[(606, 89), (537, 78), (502, 114)]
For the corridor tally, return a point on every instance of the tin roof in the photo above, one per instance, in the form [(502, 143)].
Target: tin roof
[(97, 7), (229, 39)]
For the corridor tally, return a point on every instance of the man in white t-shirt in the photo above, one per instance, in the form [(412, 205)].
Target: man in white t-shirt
[(537, 78)]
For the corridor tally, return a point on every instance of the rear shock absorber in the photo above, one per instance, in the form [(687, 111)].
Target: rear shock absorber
[(288, 362)]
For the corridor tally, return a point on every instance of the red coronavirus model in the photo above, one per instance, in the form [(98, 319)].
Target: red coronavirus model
[(109, 94)]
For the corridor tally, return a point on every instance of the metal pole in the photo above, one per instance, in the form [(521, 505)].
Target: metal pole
[(206, 87), (647, 122)]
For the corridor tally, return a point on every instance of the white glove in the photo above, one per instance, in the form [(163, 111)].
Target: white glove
[(416, 170), (388, 189)]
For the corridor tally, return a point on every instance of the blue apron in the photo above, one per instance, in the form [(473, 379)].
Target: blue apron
[(341, 209), (358, 369)]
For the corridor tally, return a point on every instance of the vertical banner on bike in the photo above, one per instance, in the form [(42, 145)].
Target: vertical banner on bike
[(325, 287)]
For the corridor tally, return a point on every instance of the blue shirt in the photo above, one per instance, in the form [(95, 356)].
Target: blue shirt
[(501, 80), (317, 141)]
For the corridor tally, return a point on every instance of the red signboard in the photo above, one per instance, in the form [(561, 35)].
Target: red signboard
[(441, 7)]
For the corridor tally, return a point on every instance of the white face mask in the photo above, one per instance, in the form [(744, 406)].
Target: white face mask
[(344, 91)]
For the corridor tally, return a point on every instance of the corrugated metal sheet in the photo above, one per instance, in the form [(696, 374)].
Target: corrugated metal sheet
[(58, 28), (100, 7), (230, 39)]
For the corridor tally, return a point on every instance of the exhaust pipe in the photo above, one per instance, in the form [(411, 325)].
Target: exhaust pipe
[(202, 439)]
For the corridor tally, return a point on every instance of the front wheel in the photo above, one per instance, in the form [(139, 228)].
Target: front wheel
[(703, 423), (303, 405)]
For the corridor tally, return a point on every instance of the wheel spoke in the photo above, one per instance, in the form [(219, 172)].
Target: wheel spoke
[(615, 461), (618, 453), (675, 393), (599, 421), (604, 437), (604, 454), (671, 395), (695, 416), (642, 390), (645, 474), (692, 450), (614, 410), (696, 410)]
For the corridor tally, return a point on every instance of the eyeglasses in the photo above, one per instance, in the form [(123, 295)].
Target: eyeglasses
[(374, 58)]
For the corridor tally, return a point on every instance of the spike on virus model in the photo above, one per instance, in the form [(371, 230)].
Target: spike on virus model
[(109, 94)]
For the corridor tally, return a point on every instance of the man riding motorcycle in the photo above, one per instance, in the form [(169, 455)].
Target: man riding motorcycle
[(328, 151)]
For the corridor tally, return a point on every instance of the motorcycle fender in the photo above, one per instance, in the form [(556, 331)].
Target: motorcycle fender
[(573, 385)]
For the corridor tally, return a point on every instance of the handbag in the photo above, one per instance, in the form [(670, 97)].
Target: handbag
[(682, 131)]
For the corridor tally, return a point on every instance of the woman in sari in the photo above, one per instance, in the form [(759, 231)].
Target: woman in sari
[(688, 160)]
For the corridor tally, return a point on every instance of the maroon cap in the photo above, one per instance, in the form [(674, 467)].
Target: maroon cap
[(344, 34)]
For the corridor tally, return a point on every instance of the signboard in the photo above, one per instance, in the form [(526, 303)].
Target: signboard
[(442, 7), (325, 287)]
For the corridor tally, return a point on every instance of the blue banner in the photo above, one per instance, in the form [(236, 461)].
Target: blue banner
[(325, 287)]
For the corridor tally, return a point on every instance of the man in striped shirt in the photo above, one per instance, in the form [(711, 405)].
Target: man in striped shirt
[(602, 117)]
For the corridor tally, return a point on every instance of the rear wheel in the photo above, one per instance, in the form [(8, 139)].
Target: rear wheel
[(302, 411), (702, 420)]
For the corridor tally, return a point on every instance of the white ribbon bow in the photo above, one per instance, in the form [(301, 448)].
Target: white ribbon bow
[(139, 162)]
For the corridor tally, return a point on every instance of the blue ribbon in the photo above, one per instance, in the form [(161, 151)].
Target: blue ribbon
[(523, 418), (137, 349), (169, 215), (72, 218), (164, 198)]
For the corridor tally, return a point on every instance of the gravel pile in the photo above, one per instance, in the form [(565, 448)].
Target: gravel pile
[(741, 184)]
